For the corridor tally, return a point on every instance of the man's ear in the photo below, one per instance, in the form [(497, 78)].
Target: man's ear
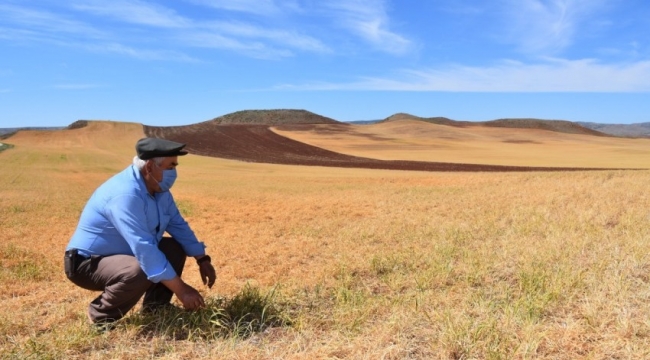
[(148, 166)]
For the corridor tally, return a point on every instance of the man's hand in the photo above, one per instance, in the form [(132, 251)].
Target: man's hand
[(208, 274), (189, 297)]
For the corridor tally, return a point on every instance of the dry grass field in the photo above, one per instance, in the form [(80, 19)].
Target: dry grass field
[(363, 264), (422, 141)]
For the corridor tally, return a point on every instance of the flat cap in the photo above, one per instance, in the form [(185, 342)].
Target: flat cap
[(149, 148)]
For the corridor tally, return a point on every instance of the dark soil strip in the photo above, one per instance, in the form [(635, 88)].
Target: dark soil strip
[(257, 143)]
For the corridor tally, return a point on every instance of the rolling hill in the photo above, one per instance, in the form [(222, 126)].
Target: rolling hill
[(627, 130), (269, 136), (400, 142), (562, 126)]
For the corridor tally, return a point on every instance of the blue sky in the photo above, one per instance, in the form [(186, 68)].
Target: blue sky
[(186, 61)]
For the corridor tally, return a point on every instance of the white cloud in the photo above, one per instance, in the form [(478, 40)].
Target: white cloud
[(134, 11), (30, 25), (36, 24), (75, 86), (280, 37), (257, 7), (253, 49), (547, 26), (142, 54), (368, 19), (250, 40), (553, 75)]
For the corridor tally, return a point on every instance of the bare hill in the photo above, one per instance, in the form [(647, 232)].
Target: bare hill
[(272, 117), (626, 130), (435, 120), (246, 136), (523, 123), (257, 143), (117, 139)]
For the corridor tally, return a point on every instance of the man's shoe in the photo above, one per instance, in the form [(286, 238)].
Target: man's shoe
[(101, 326)]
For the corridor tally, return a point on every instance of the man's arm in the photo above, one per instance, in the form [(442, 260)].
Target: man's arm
[(178, 227), (128, 215)]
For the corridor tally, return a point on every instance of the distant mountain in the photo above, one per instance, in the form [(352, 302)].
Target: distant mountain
[(248, 136), (523, 123), (626, 130), (272, 117), (363, 122), (435, 120), (7, 132), (293, 116)]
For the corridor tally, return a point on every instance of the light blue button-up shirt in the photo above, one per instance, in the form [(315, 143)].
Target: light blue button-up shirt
[(121, 217)]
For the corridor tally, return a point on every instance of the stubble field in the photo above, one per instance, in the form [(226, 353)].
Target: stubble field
[(366, 264)]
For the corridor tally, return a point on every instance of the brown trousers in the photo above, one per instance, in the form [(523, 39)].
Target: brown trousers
[(122, 282)]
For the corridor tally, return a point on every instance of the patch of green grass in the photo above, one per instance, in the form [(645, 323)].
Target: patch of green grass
[(386, 265), (5, 146), (23, 265), (185, 207), (248, 312), (536, 294), (31, 349)]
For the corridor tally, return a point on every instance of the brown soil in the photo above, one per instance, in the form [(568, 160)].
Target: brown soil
[(257, 143)]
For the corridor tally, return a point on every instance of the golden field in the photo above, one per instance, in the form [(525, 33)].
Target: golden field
[(368, 264), (422, 141)]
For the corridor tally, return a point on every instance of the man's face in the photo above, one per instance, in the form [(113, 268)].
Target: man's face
[(156, 171)]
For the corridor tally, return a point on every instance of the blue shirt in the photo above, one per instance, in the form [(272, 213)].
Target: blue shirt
[(121, 217)]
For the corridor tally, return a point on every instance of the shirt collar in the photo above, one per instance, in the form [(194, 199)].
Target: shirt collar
[(137, 175)]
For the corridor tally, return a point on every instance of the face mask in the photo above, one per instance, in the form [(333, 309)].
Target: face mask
[(168, 178)]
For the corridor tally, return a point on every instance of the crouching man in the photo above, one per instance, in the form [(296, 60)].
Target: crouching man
[(118, 247)]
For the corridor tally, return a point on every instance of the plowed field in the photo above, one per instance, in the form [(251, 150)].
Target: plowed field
[(257, 143)]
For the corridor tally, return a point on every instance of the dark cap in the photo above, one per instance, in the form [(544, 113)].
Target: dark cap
[(149, 148)]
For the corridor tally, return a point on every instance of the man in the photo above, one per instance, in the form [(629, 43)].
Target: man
[(119, 248)]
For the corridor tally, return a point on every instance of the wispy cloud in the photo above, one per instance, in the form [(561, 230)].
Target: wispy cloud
[(553, 75), (257, 7), (60, 29), (365, 19), (133, 11), (547, 26), (141, 54), (368, 20), (75, 86), (216, 41), (40, 26), (279, 37), (36, 24)]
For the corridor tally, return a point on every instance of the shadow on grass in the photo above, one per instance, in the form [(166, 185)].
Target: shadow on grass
[(243, 315)]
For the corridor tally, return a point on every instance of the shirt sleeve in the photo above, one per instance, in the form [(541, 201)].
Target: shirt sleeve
[(127, 214), (181, 231)]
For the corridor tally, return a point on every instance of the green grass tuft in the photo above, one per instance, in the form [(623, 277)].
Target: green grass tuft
[(4, 146), (248, 312)]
